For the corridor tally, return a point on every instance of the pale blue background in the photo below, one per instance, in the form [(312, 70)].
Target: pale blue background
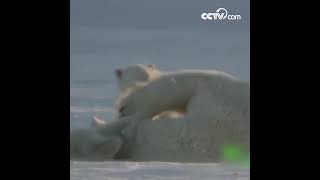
[(106, 34)]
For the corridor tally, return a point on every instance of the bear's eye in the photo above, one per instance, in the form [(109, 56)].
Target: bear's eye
[(152, 66)]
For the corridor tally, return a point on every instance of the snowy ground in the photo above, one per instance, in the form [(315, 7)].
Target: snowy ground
[(155, 171)]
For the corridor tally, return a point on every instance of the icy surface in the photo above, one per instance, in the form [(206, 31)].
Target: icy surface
[(155, 171)]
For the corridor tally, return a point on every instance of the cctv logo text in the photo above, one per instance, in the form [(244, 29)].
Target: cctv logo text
[(220, 14)]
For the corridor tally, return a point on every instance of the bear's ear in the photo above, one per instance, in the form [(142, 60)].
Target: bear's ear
[(118, 73), (151, 66)]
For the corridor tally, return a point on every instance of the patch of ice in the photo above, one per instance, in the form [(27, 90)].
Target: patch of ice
[(156, 171)]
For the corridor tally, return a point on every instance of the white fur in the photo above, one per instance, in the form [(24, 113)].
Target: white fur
[(88, 144), (137, 76), (178, 90), (100, 142), (217, 109)]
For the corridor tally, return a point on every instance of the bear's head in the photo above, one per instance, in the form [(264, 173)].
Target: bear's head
[(134, 74), (87, 144)]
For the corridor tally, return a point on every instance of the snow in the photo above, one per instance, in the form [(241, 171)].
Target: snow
[(155, 171)]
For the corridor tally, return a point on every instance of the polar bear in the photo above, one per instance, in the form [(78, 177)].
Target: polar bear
[(88, 144), (216, 112), (100, 142), (134, 77), (213, 100), (179, 90)]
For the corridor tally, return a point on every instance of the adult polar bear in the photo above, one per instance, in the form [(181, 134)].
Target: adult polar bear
[(217, 113), (134, 77)]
